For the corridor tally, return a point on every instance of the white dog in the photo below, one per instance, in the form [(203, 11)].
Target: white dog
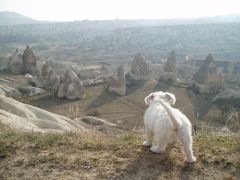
[(165, 124)]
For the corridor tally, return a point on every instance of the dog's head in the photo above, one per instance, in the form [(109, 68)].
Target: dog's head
[(156, 96)]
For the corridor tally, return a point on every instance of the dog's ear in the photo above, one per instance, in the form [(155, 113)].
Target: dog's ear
[(149, 98), (170, 97)]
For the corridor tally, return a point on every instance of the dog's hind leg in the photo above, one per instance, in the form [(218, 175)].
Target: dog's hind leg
[(160, 145), (149, 139), (187, 148)]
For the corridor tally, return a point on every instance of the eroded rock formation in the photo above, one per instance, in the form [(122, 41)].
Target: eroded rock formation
[(30, 91), (50, 80), (16, 64), (117, 82), (207, 79), (71, 87), (9, 91), (207, 72), (28, 118), (170, 68), (30, 62), (139, 67)]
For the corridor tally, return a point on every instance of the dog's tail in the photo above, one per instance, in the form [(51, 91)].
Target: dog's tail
[(175, 123)]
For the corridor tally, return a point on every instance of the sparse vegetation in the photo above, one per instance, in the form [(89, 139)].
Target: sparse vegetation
[(91, 156)]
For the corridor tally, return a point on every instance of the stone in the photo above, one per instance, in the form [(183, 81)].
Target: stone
[(28, 76), (97, 124), (227, 97), (170, 68), (207, 79), (30, 91), (35, 81), (27, 118), (117, 82), (91, 82), (50, 80), (30, 62), (16, 64), (94, 121), (171, 64), (139, 67), (71, 87), (207, 72), (9, 91)]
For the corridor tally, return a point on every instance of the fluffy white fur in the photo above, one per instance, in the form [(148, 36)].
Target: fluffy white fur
[(165, 124)]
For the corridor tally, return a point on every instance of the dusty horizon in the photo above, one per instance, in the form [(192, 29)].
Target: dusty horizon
[(73, 10)]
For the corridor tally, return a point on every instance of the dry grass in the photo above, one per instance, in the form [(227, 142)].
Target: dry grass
[(77, 156)]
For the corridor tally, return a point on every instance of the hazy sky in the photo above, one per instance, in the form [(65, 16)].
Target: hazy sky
[(70, 10)]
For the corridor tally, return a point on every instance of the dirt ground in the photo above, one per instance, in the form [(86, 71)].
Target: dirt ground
[(126, 111), (99, 156), (114, 156)]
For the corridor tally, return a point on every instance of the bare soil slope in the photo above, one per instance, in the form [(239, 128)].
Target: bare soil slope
[(125, 111)]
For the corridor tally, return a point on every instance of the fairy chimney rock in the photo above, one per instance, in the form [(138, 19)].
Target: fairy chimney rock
[(207, 72), (30, 62), (171, 64), (51, 80), (139, 67), (71, 87), (16, 65), (207, 79), (117, 82)]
